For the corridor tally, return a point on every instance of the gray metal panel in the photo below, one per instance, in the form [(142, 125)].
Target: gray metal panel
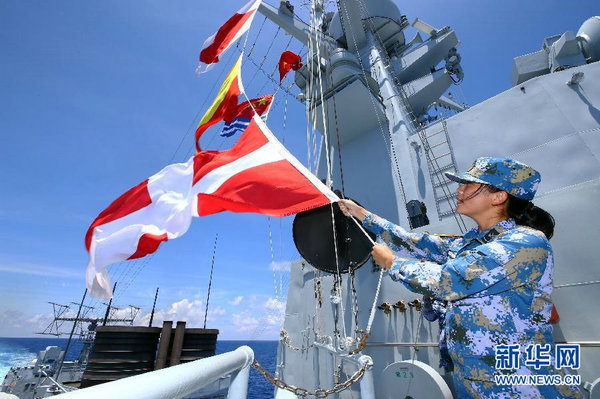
[(518, 122), (576, 261), (579, 104), (573, 249), (424, 91), (557, 169), (369, 182), (566, 52), (507, 123), (361, 111), (529, 66), (298, 318), (592, 140), (418, 61)]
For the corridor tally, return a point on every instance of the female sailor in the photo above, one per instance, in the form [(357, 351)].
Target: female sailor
[(496, 279)]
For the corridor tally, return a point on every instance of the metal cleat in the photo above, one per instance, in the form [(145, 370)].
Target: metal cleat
[(417, 304), (387, 309), (400, 306)]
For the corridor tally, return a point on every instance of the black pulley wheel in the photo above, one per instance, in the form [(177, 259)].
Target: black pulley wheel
[(313, 236)]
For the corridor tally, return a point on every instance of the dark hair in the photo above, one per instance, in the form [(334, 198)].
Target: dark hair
[(526, 214)]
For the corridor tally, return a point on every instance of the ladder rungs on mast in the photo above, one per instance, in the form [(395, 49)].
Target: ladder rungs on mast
[(443, 169), (441, 156), (448, 213), (443, 182), (435, 134), (446, 197), (437, 145)]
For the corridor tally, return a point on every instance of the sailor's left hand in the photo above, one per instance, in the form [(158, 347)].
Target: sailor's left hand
[(383, 256)]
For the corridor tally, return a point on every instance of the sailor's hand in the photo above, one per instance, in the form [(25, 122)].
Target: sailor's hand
[(350, 208), (383, 256)]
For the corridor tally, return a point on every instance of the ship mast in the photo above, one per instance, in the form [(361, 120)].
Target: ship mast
[(400, 82), (368, 91)]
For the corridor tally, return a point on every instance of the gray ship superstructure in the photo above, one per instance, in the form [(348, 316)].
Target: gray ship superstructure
[(384, 105)]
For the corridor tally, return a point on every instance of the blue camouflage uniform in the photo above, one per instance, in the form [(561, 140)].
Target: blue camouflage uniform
[(496, 285)]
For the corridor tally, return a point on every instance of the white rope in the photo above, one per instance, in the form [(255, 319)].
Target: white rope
[(374, 305), (309, 119), (363, 230), (313, 25), (364, 9), (272, 259), (372, 315)]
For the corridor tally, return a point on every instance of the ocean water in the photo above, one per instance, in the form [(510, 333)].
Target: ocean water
[(21, 351), (265, 352)]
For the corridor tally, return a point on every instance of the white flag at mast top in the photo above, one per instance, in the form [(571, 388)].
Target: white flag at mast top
[(227, 34)]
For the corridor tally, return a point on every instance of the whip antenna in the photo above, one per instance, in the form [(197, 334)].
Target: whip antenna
[(212, 265), (153, 307), (109, 305)]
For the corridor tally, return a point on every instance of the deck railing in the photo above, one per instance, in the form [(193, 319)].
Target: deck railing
[(177, 381)]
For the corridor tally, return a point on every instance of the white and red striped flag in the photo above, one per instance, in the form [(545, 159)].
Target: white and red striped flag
[(256, 175), (227, 34)]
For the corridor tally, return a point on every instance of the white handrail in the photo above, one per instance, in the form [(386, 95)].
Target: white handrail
[(177, 381)]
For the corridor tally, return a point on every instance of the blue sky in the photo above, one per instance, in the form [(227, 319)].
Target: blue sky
[(97, 96)]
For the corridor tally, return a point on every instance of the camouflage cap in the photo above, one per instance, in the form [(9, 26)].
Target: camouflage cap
[(508, 175)]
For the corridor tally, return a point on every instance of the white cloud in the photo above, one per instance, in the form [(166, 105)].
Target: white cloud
[(216, 311), (16, 323), (36, 319), (281, 266), (190, 311), (273, 320), (236, 301), (123, 314), (254, 316), (262, 320), (274, 304), (274, 312), (244, 322)]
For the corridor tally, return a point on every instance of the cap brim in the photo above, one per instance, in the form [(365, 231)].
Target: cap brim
[(464, 178)]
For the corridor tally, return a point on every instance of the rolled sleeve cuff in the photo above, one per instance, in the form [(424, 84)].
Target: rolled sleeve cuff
[(398, 271)]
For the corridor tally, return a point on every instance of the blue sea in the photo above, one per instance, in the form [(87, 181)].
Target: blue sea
[(21, 351)]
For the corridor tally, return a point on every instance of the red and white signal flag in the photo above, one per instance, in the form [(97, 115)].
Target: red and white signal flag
[(257, 175), (227, 34)]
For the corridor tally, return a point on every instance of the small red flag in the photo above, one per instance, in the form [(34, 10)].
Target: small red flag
[(287, 61)]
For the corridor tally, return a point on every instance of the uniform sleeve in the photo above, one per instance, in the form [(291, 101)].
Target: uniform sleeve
[(501, 264), (414, 245)]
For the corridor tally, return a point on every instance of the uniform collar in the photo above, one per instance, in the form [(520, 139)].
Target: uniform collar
[(499, 228)]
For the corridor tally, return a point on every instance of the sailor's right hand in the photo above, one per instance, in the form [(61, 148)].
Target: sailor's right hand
[(350, 208)]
